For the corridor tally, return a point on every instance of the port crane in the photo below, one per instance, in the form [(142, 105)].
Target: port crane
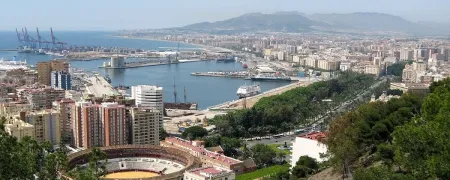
[(30, 42)]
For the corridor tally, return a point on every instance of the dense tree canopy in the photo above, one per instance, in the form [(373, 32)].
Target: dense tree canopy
[(284, 112), (194, 132), (396, 69), (410, 138), (26, 158), (367, 129)]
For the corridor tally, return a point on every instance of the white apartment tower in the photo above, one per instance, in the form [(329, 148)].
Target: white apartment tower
[(149, 96)]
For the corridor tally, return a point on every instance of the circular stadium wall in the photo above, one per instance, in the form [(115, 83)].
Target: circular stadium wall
[(144, 162)]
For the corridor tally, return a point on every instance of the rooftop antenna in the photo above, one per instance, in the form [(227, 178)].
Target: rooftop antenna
[(185, 94), (174, 90)]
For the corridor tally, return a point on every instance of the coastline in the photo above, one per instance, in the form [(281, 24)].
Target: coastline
[(162, 40), (201, 46)]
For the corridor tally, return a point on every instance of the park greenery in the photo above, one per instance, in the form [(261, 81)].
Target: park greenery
[(27, 159), (265, 172), (194, 132), (281, 113), (405, 138)]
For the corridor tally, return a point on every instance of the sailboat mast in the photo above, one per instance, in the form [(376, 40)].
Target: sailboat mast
[(174, 90), (185, 94)]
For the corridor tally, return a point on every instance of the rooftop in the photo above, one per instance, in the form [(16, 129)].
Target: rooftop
[(213, 155), (315, 135), (208, 171), (99, 87)]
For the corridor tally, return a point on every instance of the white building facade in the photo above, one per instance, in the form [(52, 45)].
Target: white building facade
[(149, 96)]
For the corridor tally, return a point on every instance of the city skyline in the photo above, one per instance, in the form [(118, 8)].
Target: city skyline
[(104, 15)]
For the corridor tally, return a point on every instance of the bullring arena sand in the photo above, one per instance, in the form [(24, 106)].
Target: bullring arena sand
[(131, 174)]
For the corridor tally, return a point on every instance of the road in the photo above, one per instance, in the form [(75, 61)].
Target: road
[(290, 136)]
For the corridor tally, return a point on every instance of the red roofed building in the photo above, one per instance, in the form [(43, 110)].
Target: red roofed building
[(209, 173), (208, 158)]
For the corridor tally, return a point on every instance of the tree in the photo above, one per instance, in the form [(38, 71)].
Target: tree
[(263, 155), (162, 134), (304, 167), (380, 172), (97, 162), (194, 132)]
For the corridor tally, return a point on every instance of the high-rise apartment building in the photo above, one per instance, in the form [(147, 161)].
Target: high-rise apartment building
[(97, 125), (61, 80), (149, 96), (45, 68), (144, 125), (406, 55), (47, 125), (64, 109)]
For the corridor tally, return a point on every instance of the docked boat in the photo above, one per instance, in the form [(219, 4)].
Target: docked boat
[(271, 77), (244, 66), (248, 91), (6, 65), (226, 60)]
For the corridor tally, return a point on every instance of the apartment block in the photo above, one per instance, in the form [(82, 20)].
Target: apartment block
[(45, 68), (149, 96), (64, 109), (145, 125), (42, 98), (47, 125), (98, 125), (61, 80)]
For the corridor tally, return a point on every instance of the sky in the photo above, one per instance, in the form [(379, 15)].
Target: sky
[(148, 14)]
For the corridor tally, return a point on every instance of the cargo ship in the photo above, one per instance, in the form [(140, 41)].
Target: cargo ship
[(248, 91)]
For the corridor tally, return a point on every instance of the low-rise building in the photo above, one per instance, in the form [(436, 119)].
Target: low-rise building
[(209, 173), (372, 69), (20, 129), (207, 157), (309, 145), (414, 88)]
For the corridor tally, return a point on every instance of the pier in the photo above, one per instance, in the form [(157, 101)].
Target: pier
[(230, 74), (118, 63)]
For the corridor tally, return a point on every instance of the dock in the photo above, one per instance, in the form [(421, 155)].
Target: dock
[(157, 63), (229, 74)]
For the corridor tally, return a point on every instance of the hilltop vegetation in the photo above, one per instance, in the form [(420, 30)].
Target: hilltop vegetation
[(401, 139), (281, 113)]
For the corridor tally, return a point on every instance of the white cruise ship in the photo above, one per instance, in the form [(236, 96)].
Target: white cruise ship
[(247, 91), (6, 65)]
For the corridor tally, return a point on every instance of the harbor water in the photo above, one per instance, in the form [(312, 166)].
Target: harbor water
[(206, 91)]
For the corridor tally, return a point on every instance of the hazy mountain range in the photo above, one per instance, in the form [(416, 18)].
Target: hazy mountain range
[(299, 22)]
